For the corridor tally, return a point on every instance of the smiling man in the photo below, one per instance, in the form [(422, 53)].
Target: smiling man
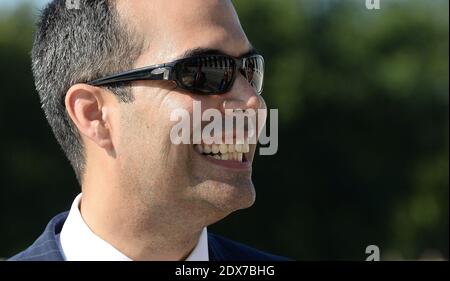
[(109, 74)]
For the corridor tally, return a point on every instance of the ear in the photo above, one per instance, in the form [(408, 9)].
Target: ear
[(87, 107)]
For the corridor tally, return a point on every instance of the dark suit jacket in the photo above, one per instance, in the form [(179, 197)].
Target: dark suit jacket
[(46, 247)]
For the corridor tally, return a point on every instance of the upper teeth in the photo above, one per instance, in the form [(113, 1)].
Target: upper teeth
[(222, 148), (227, 151)]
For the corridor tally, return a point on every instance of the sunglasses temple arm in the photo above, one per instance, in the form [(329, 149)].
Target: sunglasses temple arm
[(160, 73)]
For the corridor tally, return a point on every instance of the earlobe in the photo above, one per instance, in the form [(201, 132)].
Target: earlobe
[(86, 107)]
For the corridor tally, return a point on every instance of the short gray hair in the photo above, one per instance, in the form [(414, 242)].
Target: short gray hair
[(77, 45)]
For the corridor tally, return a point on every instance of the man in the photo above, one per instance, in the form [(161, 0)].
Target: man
[(143, 197)]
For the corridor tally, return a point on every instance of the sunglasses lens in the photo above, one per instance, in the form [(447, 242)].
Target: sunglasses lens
[(254, 72), (206, 75)]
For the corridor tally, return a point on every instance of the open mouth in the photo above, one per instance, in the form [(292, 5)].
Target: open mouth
[(225, 152)]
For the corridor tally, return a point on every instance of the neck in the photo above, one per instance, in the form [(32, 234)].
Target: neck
[(138, 230)]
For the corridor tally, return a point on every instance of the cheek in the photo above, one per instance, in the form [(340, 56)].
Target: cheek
[(139, 150), (176, 101), (145, 127), (147, 123), (131, 134), (177, 110)]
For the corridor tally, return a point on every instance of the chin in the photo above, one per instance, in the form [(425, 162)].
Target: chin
[(224, 198)]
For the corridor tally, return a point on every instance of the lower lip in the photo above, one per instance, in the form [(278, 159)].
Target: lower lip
[(229, 164)]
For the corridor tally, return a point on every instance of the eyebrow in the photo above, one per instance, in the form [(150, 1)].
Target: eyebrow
[(210, 51)]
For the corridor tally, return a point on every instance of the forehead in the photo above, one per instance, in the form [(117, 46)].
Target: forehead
[(171, 27)]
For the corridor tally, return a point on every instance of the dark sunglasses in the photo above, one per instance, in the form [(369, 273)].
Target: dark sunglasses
[(202, 74)]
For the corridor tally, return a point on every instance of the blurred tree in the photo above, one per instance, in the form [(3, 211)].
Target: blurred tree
[(37, 181)]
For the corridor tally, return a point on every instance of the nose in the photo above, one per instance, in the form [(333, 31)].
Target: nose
[(242, 96)]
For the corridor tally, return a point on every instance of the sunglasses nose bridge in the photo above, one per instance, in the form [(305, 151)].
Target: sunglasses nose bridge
[(240, 65)]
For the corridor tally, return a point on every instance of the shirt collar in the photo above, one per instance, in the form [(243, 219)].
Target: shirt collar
[(79, 243)]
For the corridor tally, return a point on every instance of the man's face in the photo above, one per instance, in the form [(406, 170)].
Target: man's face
[(177, 178)]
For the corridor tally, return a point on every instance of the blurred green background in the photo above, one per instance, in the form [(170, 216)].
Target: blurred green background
[(363, 141)]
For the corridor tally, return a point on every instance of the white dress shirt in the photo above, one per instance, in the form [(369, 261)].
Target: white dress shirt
[(79, 243)]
